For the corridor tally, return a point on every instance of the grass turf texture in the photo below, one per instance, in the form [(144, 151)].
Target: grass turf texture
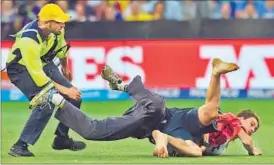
[(15, 114)]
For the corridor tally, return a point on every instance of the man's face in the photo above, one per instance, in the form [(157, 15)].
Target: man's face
[(250, 125), (56, 27)]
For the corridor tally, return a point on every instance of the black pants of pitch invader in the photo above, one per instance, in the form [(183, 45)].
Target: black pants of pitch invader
[(138, 122)]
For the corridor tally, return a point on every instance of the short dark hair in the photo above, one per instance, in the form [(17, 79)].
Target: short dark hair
[(245, 114)]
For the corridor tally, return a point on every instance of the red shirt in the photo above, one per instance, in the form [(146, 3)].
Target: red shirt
[(228, 126)]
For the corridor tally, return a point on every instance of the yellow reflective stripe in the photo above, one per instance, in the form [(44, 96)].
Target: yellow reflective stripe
[(39, 38)]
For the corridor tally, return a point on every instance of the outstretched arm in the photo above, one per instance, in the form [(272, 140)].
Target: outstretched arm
[(184, 147), (248, 143)]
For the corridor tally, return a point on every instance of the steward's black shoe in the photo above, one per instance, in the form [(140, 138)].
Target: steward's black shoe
[(64, 142), (18, 150)]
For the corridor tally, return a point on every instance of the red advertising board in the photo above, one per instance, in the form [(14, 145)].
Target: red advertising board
[(170, 63)]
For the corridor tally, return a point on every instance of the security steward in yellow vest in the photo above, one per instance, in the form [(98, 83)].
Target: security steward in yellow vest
[(30, 68)]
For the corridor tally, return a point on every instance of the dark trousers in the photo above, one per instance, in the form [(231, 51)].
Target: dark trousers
[(138, 122), (40, 116)]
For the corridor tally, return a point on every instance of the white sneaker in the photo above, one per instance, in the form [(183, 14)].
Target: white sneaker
[(47, 95)]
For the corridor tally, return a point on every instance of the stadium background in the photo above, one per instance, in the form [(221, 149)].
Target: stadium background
[(170, 44)]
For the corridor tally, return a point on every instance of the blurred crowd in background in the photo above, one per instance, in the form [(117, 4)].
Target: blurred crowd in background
[(20, 12)]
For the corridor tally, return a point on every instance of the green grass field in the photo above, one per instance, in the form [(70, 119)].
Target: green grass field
[(14, 116)]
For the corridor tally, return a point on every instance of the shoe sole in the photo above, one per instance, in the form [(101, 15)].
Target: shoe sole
[(71, 149), (11, 153), (33, 102), (59, 149)]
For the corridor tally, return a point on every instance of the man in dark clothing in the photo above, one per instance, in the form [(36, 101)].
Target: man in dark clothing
[(147, 115)]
